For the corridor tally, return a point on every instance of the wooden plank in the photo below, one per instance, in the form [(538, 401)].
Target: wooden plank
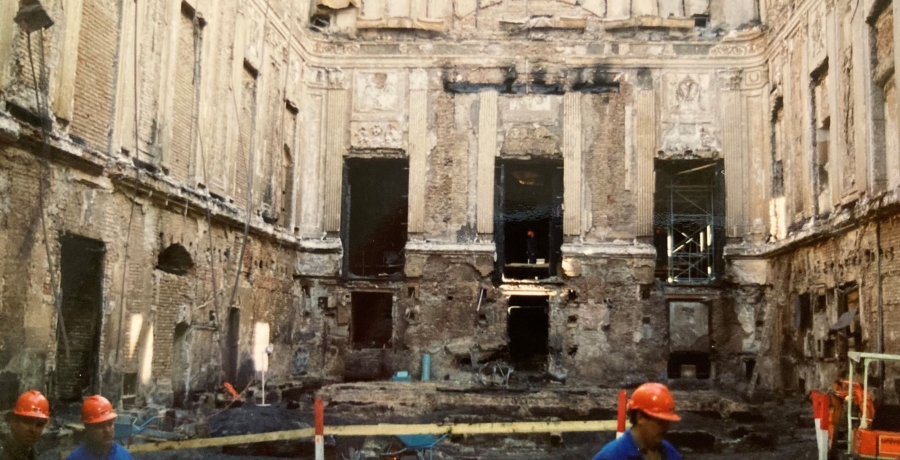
[(385, 430)]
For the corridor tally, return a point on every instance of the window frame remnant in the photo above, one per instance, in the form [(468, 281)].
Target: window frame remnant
[(388, 237), (689, 220), (547, 174)]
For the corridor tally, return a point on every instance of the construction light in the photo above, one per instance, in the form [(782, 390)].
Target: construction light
[(33, 17)]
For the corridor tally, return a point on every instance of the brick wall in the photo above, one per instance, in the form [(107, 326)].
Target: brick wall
[(95, 75), (180, 152)]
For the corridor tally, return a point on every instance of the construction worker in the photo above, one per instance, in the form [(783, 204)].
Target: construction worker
[(26, 424), (98, 417), (650, 410)]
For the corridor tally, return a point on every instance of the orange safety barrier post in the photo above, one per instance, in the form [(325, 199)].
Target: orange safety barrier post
[(320, 429), (620, 426)]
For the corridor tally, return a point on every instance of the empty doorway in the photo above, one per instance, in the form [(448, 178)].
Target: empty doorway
[(374, 220), (81, 264), (529, 329)]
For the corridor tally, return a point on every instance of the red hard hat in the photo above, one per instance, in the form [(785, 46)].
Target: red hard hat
[(97, 409), (32, 404), (654, 400), (530, 233)]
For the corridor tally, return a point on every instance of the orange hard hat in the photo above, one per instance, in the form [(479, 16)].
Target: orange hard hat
[(32, 404), (654, 400), (97, 409), (530, 233)]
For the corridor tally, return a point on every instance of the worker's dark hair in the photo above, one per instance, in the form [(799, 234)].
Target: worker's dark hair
[(633, 416)]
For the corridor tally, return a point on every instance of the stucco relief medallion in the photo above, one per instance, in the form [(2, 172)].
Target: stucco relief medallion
[(689, 124), (379, 92), (375, 135)]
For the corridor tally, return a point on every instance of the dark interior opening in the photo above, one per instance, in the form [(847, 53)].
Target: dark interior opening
[(372, 320), (374, 220), (689, 220), (803, 313), (528, 218), (81, 264), (175, 259), (232, 337), (528, 329), (683, 364)]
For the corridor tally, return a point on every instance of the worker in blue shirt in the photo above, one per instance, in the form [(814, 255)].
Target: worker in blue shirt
[(98, 417), (651, 409)]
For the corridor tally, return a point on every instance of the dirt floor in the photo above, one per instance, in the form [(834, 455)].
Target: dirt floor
[(715, 425)]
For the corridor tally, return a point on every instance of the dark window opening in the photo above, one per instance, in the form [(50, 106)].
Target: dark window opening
[(374, 220), (528, 329), (689, 365), (81, 264), (749, 367), (176, 260), (372, 319), (821, 303), (287, 187), (689, 220), (803, 312), (821, 126), (701, 21), (528, 218), (777, 141), (801, 386), (849, 337)]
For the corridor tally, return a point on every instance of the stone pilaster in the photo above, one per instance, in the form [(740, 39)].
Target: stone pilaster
[(487, 150), (645, 137), (572, 161), (335, 148)]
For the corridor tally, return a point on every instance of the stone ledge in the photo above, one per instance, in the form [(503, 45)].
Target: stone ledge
[(601, 250), (447, 248), (648, 22)]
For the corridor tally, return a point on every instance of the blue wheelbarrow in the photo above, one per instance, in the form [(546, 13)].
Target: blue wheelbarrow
[(417, 444), (126, 427)]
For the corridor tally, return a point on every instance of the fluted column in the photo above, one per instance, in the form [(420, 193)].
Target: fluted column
[(572, 151), (487, 150), (335, 130)]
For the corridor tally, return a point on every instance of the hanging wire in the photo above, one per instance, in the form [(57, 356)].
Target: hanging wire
[(42, 188), (137, 174)]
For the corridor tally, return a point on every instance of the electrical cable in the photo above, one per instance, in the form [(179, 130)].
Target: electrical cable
[(57, 298)]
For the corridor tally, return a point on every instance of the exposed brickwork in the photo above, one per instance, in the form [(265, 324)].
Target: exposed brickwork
[(95, 78)]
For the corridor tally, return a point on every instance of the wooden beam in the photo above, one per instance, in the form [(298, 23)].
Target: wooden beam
[(384, 430)]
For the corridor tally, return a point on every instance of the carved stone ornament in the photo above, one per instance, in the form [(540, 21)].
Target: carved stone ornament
[(730, 80), (375, 135), (682, 137)]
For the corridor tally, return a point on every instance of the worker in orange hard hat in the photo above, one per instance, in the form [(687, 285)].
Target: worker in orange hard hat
[(98, 417), (26, 424), (651, 409), (530, 247)]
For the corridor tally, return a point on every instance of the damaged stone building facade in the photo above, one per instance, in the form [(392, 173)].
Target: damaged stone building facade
[(600, 192)]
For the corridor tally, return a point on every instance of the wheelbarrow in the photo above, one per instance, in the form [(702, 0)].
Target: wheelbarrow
[(417, 444), (126, 427)]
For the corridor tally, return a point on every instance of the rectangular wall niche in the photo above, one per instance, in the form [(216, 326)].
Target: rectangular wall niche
[(372, 320), (528, 328), (528, 218), (374, 217), (81, 264), (689, 220)]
